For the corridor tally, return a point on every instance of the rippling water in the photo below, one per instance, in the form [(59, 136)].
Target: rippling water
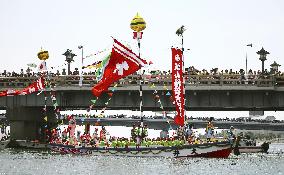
[(42, 162)]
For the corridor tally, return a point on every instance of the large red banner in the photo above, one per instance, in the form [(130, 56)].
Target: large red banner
[(177, 85), (34, 87)]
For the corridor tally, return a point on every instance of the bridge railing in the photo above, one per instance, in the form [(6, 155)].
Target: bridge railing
[(195, 80)]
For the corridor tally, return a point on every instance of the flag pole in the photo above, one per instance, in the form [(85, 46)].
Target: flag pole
[(246, 63), (183, 74), (249, 45), (180, 32), (81, 75), (140, 83)]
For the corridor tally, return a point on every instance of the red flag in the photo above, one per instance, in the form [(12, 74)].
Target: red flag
[(34, 87), (177, 85), (42, 67), (137, 35), (122, 63)]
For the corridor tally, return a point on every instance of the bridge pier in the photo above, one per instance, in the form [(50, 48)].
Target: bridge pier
[(27, 123)]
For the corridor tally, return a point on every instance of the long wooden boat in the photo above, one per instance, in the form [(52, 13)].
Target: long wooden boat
[(209, 150)]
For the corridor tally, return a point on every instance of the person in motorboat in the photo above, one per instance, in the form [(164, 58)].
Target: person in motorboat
[(232, 134)]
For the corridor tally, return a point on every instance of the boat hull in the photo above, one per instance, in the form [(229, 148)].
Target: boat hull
[(251, 149), (209, 150), (4, 144)]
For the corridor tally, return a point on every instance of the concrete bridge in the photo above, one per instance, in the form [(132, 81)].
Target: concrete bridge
[(224, 92)]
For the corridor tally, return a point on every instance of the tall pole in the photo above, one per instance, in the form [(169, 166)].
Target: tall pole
[(140, 82), (262, 67), (180, 32), (138, 25), (69, 68), (246, 63), (249, 45), (183, 74), (82, 61)]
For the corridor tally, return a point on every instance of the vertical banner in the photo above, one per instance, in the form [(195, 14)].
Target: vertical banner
[(177, 85)]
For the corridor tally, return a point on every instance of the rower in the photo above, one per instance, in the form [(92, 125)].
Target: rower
[(210, 129), (189, 134), (144, 132), (133, 132)]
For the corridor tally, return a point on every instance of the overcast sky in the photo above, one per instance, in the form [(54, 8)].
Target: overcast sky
[(217, 31)]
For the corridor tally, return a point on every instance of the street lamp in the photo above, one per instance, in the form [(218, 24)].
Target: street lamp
[(69, 58), (274, 67), (262, 57)]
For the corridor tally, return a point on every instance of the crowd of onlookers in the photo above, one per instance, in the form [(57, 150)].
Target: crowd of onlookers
[(192, 76), (240, 119), (188, 71)]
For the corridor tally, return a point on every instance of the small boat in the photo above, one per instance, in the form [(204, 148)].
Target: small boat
[(249, 146), (208, 150), (263, 148)]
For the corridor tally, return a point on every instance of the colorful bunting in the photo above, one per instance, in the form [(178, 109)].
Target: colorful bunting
[(94, 101), (32, 65)]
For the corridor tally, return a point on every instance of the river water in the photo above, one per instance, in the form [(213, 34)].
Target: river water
[(25, 162)]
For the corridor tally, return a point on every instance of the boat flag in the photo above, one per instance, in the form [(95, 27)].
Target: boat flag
[(33, 65), (177, 85), (137, 35), (122, 62), (42, 67), (34, 87), (94, 101)]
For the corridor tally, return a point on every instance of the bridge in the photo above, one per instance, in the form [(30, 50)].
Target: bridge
[(203, 92)]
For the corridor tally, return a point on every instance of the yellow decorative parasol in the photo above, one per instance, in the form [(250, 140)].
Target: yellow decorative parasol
[(138, 24), (43, 55)]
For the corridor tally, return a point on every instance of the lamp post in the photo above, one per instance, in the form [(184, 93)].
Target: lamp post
[(81, 76), (274, 67), (262, 57), (69, 58), (249, 45)]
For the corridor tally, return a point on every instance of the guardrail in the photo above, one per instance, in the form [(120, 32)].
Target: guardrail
[(196, 80)]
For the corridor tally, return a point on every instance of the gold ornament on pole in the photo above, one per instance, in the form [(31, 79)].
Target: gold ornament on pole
[(138, 24), (43, 55)]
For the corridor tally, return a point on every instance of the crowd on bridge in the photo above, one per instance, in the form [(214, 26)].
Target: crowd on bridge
[(193, 75)]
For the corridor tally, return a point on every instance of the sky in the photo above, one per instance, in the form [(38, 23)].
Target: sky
[(217, 31)]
